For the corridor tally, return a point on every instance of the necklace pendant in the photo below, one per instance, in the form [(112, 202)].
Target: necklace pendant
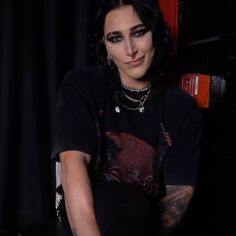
[(117, 109), (141, 109)]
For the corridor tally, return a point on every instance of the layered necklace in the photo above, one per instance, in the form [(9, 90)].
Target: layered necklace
[(132, 98)]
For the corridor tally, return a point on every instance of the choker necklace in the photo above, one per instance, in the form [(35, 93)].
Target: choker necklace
[(136, 89), (139, 103)]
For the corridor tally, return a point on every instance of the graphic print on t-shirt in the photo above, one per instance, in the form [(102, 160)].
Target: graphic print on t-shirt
[(130, 161)]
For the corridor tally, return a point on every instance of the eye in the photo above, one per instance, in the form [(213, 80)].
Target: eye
[(139, 33), (115, 39)]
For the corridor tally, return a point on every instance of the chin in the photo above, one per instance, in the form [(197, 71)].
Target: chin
[(137, 73)]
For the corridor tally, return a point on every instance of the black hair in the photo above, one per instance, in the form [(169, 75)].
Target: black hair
[(151, 16)]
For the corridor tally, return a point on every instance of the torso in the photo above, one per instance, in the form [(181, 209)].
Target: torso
[(131, 141)]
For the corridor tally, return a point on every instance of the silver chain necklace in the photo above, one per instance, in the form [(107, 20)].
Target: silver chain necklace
[(136, 89), (141, 102)]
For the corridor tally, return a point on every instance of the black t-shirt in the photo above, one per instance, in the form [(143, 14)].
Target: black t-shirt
[(130, 144)]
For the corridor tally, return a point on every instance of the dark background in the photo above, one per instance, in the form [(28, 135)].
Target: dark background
[(39, 42)]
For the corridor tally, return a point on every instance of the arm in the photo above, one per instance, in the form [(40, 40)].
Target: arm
[(172, 207), (78, 194)]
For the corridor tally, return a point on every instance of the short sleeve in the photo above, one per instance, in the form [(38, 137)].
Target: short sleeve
[(75, 116), (181, 161)]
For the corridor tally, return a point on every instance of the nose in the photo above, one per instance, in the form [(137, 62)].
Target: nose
[(131, 50)]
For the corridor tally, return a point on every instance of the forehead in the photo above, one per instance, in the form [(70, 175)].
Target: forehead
[(121, 19)]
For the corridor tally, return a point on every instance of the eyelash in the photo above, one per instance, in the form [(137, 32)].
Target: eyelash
[(115, 39), (139, 33), (135, 34)]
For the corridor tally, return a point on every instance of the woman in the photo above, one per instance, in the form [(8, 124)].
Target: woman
[(127, 142)]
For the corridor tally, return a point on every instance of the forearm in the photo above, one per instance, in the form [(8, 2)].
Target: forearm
[(172, 207), (78, 197)]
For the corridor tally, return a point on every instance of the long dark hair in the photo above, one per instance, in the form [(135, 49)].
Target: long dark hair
[(151, 16)]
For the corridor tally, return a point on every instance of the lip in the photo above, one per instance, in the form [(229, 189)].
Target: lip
[(136, 62)]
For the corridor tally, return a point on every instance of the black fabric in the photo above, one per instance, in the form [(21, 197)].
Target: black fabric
[(185, 128), (121, 210), (39, 42), (79, 106), (76, 100), (133, 145)]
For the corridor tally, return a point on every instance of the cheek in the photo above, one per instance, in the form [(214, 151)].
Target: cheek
[(149, 51), (116, 54), (146, 45), (109, 49)]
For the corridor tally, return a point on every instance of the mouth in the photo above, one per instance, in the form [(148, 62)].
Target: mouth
[(136, 62)]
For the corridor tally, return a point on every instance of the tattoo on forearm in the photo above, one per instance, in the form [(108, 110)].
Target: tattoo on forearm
[(173, 206)]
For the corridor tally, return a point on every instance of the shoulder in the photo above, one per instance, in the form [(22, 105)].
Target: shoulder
[(178, 103), (83, 80), (84, 75), (180, 108), (178, 98)]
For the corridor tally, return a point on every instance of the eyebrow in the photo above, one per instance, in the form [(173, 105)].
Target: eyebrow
[(137, 26), (111, 33), (131, 29)]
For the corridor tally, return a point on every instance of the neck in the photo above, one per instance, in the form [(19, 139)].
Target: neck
[(140, 85), (132, 89), (134, 83)]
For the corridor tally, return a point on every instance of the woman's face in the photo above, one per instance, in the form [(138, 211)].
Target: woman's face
[(129, 44)]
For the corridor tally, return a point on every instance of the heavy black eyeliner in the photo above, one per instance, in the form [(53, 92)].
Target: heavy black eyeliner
[(141, 32), (112, 34), (137, 26)]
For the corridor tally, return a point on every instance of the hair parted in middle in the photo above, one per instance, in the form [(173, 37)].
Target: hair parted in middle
[(151, 16)]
